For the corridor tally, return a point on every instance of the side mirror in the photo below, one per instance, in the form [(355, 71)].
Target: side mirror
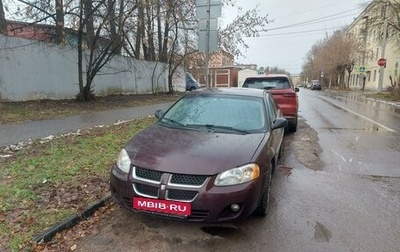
[(296, 89), (159, 113), (279, 123)]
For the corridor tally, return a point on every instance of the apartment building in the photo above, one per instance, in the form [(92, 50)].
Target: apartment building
[(379, 58)]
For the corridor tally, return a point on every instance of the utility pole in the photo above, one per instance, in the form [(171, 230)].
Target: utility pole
[(207, 43), (384, 40), (364, 36), (208, 12)]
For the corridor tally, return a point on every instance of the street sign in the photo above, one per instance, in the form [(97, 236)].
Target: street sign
[(212, 41), (213, 24), (362, 69), (215, 9), (382, 62)]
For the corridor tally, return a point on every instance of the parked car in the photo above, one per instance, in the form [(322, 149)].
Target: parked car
[(209, 158), (283, 91), (315, 85), (191, 82)]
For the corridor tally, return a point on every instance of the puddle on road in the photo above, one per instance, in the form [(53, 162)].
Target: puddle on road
[(365, 100)]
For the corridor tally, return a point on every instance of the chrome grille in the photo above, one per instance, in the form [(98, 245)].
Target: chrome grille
[(188, 180), (180, 187), (181, 195), (146, 190), (148, 174)]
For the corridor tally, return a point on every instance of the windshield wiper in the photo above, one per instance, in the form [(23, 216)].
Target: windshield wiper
[(210, 126), (172, 121)]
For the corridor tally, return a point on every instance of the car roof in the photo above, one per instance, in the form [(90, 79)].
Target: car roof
[(268, 76), (238, 91)]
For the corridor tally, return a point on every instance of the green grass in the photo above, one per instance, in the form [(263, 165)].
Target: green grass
[(35, 180), (386, 96)]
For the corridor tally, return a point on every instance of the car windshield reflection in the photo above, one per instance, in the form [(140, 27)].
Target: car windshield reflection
[(216, 113)]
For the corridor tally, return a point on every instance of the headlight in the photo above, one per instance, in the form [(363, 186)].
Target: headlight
[(238, 175), (123, 161)]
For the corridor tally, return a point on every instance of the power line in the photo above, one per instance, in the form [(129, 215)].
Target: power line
[(298, 32), (310, 10), (313, 21)]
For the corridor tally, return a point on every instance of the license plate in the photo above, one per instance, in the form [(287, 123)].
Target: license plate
[(162, 206)]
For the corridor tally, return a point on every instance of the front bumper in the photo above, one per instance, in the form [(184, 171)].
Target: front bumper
[(209, 203)]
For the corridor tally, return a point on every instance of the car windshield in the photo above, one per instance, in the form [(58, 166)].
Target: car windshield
[(267, 83), (219, 113)]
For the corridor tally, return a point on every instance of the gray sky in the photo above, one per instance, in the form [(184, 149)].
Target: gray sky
[(309, 21)]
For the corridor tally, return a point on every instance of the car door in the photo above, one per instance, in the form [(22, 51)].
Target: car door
[(273, 113)]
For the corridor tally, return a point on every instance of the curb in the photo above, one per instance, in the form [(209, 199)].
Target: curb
[(70, 222)]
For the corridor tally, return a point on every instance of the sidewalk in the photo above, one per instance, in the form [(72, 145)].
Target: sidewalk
[(16, 133)]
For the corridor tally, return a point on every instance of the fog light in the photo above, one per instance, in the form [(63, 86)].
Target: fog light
[(235, 207)]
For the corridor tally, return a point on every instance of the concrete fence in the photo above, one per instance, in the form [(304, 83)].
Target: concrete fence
[(31, 70)]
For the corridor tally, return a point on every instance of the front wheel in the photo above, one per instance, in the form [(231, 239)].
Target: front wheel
[(262, 208)]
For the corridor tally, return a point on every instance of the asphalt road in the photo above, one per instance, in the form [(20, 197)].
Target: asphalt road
[(337, 189)]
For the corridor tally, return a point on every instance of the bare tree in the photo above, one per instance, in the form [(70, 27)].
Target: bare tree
[(246, 24), (3, 23), (101, 48), (376, 19), (333, 56), (41, 11)]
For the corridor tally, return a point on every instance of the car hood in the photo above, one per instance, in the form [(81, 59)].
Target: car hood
[(190, 151)]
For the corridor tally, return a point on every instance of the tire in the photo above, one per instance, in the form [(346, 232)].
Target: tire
[(293, 128), (262, 208), (281, 151)]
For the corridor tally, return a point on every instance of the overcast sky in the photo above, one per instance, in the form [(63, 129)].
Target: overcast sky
[(309, 21)]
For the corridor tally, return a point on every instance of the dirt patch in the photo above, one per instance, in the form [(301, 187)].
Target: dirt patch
[(306, 146)]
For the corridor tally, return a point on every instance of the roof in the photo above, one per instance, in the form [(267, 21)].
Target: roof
[(250, 92), (268, 75)]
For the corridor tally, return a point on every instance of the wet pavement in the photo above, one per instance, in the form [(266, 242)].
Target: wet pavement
[(16, 133)]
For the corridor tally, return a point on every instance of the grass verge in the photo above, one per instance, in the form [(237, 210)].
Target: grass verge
[(385, 96), (45, 182)]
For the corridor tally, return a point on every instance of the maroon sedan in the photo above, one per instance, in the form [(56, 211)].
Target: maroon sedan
[(209, 158)]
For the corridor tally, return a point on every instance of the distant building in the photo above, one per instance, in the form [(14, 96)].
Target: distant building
[(366, 69), (44, 33), (222, 72)]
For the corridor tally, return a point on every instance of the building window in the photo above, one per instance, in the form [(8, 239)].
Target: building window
[(374, 75), (377, 53)]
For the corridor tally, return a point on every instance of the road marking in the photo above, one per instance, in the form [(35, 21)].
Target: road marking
[(364, 117)]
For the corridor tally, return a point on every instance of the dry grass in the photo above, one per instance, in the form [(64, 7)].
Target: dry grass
[(16, 112)]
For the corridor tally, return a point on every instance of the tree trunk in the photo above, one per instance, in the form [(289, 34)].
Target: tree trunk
[(88, 17), (164, 49), (60, 29), (348, 78), (116, 25), (150, 32), (113, 23), (140, 29), (159, 28), (80, 52), (3, 22)]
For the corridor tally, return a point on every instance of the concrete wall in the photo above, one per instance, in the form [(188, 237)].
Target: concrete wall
[(31, 70)]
